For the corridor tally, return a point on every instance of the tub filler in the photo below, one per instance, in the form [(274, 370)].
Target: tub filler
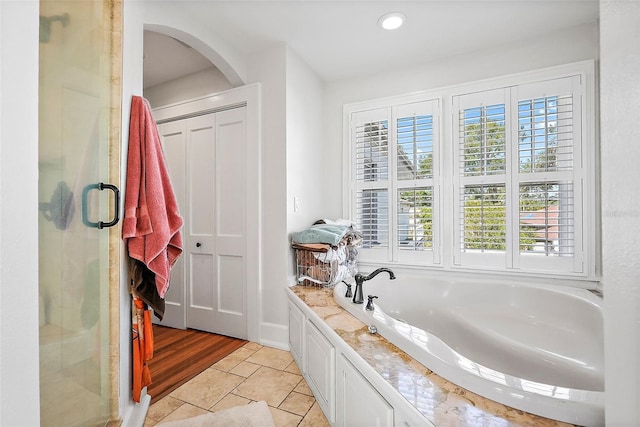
[(536, 348)]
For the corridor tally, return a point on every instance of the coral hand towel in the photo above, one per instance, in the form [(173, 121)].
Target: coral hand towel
[(152, 221)]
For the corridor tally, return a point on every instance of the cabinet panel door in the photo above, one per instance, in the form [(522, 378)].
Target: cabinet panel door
[(296, 335), (321, 373), (359, 404)]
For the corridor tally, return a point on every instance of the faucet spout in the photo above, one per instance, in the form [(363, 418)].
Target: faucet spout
[(358, 297), (378, 271)]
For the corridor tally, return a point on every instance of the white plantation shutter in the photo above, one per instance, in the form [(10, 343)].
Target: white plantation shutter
[(393, 151), (415, 147), (481, 176), (370, 135), (518, 179), (415, 219), (550, 175), (483, 140), (547, 218), (511, 189), (484, 218)]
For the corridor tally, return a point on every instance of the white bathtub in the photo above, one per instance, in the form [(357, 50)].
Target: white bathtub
[(532, 347)]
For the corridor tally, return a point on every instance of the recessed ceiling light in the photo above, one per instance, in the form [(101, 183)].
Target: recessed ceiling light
[(391, 21)]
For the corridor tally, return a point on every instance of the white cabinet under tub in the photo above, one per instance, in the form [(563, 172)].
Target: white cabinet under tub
[(296, 335), (320, 362), (358, 403), (348, 395)]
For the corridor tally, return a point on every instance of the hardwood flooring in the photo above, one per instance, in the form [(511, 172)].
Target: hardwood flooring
[(180, 355)]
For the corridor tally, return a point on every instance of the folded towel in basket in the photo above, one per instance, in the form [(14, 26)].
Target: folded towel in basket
[(330, 234)]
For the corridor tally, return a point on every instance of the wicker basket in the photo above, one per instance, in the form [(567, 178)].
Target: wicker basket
[(313, 266)]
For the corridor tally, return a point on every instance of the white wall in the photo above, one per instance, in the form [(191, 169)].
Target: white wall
[(195, 85), (269, 68), (572, 45), (168, 18), (132, 48), (305, 145), (19, 369), (620, 154)]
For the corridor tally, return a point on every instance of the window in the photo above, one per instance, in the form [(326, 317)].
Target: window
[(393, 183), (517, 177), (516, 164)]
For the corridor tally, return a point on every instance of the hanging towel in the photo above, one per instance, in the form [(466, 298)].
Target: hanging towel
[(143, 286), (152, 221), (142, 344)]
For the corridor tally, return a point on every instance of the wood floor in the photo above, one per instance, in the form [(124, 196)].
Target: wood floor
[(180, 355)]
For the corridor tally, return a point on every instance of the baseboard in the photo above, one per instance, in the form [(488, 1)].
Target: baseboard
[(274, 335), (138, 413)]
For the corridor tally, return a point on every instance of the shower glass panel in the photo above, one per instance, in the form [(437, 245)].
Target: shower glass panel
[(75, 113)]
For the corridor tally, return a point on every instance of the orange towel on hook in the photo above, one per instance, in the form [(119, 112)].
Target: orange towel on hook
[(152, 221), (142, 336)]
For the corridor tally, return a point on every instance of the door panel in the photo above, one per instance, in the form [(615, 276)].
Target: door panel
[(230, 173), (173, 139), (200, 239), (230, 214), (230, 296)]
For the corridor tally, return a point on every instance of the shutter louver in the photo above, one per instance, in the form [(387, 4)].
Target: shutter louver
[(547, 218), (483, 140), (415, 147), (415, 218), (484, 218), (545, 133), (373, 217), (372, 150)]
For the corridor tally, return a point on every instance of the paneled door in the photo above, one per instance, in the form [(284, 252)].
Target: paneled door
[(206, 158)]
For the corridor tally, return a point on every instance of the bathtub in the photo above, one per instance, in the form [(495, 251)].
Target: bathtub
[(536, 348)]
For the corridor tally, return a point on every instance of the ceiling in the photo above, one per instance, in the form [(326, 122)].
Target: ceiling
[(341, 39)]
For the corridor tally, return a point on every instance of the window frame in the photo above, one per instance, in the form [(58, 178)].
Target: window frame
[(586, 263)]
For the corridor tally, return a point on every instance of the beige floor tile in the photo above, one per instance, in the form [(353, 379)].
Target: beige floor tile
[(297, 403), (284, 418), (228, 363), (163, 407), (268, 384), (303, 388), (271, 357), (245, 369), (243, 352), (293, 368), (206, 389), (149, 422), (252, 346), (183, 412), (314, 418), (229, 401)]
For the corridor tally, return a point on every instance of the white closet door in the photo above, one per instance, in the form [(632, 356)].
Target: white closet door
[(173, 136), (199, 236), (230, 285), (206, 160)]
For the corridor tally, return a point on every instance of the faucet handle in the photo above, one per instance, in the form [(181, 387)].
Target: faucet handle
[(348, 294), (370, 302)]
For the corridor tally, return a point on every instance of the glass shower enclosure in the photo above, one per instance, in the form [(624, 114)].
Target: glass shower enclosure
[(78, 123)]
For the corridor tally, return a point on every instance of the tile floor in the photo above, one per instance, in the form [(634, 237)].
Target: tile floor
[(249, 374)]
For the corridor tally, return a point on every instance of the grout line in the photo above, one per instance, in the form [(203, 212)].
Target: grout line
[(244, 379)]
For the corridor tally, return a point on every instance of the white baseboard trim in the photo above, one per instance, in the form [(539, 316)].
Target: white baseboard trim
[(138, 413), (274, 335)]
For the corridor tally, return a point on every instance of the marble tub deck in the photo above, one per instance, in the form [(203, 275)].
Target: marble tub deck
[(441, 402)]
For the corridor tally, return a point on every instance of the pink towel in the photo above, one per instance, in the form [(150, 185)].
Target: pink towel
[(152, 221)]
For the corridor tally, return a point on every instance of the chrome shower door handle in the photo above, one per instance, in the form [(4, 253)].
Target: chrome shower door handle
[(116, 206)]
